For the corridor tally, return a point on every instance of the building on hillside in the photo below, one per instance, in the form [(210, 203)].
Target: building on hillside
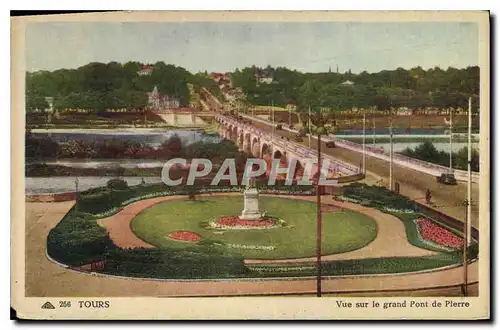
[(49, 109), (221, 78), (265, 80), (50, 102), (263, 77), (146, 70), (347, 83), (404, 111), (159, 102)]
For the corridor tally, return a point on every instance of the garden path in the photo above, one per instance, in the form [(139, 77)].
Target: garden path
[(391, 238), (46, 279)]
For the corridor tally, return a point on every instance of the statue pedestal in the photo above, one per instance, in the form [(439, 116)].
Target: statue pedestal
[(251, 205)]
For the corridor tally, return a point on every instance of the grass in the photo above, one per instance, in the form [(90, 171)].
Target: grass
[(342, 231)]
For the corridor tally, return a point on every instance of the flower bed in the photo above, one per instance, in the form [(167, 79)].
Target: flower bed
[(251, 247), (347, 199), (234, 222), (430, 231), (185, 236), (389, 209)]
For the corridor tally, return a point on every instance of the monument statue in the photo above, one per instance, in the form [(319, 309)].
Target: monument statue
[(251, 202)]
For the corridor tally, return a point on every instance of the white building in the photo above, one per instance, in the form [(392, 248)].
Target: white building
[(162, 102), (347, 83)]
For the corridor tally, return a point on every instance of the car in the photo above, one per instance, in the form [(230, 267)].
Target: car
[(330, 144), (447, 178), (298, 138)]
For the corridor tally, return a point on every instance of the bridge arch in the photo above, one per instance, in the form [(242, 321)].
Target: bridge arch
[(299, 169), (283, 161), (266, 149)]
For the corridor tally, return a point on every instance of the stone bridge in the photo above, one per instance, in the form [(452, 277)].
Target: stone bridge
[(261, 144)]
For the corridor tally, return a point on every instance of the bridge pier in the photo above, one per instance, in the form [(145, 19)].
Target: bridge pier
[(246, 146)]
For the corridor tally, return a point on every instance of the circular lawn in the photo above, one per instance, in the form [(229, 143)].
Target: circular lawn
[(343, 230)]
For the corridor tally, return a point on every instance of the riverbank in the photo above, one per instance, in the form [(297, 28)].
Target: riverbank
[(84, 170), (115, 130)]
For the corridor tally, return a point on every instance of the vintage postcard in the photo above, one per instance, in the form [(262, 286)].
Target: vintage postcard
[(251, 165)]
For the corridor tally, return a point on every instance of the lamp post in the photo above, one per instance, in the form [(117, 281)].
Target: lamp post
[(309, 125), (272, 114), (318, 222), (390, 153), (364, 145), (76, 188), (320, 129), (373, 131), (469, 174), (464, 251), (451, 140)]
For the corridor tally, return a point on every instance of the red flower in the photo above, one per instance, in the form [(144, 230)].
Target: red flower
[(431, 231), (185, 236), (234, 221)]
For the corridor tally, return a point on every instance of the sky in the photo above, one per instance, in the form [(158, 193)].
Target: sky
[(221, 47)]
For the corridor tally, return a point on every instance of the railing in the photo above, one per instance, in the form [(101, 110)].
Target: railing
[(302, 152), (416, 164)]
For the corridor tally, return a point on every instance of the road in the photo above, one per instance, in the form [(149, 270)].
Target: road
[(413, 184)]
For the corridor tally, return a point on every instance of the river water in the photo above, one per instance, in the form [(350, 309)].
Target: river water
[(40, 185), (61, 184), (153, 137)]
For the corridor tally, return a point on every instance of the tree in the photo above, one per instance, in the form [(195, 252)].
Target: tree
[(413, 88), (462, 156), (171, 148)]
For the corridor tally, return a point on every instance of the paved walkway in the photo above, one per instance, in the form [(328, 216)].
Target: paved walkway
[(46, 279)]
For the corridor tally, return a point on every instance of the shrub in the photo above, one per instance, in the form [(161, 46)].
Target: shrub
[(173, 263), (117, 184), (78, 239)]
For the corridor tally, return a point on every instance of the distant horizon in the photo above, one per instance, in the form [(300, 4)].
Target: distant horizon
[(309, 47), (292, 69)]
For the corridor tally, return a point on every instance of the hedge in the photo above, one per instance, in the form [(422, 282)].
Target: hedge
[(101, 201), (359, 266), (174, 263), (78, 239), (377, 197), (117, 184)]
